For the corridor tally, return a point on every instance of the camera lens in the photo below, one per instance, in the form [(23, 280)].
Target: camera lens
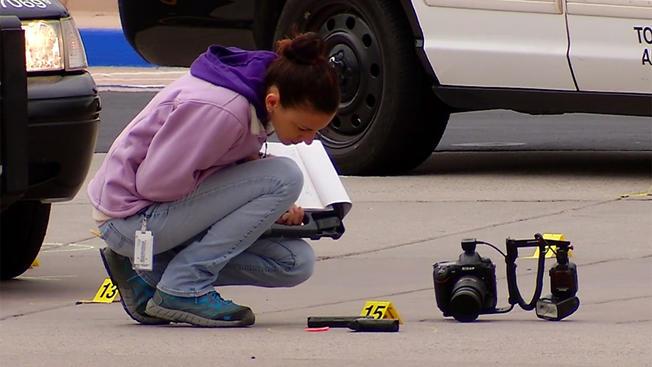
[(467, 298)]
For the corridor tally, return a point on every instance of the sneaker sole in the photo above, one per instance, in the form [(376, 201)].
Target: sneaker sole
[(126, 295), (153, 309)]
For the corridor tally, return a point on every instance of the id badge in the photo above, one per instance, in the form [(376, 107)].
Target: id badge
[(143, 251)]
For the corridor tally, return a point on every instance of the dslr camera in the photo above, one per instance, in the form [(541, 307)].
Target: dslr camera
[(466, 288)]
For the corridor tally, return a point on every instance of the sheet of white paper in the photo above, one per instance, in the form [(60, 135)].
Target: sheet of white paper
[(322, 185), (323, 174), (309, 198)]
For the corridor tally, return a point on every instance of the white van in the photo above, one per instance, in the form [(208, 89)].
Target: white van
[(406, 65)]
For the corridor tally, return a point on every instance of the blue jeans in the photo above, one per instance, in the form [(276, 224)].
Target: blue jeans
[(211, 237)]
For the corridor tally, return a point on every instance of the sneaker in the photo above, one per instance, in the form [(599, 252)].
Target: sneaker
[(209, 310), (134, 291)]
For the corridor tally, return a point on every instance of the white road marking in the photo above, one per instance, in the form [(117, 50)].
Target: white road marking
[(130, 73), (489, 144), (130, 88), (64, 247), (47, 277), (136, 80)]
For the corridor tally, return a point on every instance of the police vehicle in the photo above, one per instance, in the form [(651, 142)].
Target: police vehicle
[(405, 65), (49, 111)]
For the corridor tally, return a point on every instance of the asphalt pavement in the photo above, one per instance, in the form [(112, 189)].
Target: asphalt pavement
[(470, 131), (125, 91), (398, 227)]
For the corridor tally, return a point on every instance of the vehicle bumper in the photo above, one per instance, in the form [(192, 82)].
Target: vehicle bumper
[(63, 121)]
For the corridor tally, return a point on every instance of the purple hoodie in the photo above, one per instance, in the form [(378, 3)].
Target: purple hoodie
[(200, 123)]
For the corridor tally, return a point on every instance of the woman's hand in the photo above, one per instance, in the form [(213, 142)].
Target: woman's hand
[(293, 217)]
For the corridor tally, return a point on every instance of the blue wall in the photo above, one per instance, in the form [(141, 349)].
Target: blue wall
[(109, 47)]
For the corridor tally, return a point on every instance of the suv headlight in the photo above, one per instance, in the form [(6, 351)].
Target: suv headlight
[(43, 48), (52, 45)]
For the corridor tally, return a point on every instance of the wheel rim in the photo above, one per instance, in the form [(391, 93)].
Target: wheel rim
[(355, 54)]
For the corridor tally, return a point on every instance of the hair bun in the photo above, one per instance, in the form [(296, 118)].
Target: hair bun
[(305, 49)]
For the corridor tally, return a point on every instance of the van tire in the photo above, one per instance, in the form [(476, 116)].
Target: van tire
[(389, 120)]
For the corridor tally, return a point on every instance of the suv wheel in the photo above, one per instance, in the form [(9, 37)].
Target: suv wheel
[(389, 120), (22, 227)]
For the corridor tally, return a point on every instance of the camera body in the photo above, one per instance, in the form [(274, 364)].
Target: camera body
[(466, 288)]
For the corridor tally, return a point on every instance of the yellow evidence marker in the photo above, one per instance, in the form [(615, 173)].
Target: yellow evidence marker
[(550, 253), (106, 294), (35, 264), (380, 310)]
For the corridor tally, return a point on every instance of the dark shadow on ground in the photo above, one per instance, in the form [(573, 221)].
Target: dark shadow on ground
[(565, 163)]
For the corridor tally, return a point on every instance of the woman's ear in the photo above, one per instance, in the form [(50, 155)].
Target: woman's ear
[(272, 99)]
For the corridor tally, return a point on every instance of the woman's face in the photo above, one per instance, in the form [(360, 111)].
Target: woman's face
[(296, 124)]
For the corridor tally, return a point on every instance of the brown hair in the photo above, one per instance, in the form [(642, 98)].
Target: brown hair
[(303, 75)]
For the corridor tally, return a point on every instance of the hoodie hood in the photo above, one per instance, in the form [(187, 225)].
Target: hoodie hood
[(238, 70)]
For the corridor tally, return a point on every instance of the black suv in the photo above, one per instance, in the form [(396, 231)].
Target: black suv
[(49, 116)]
